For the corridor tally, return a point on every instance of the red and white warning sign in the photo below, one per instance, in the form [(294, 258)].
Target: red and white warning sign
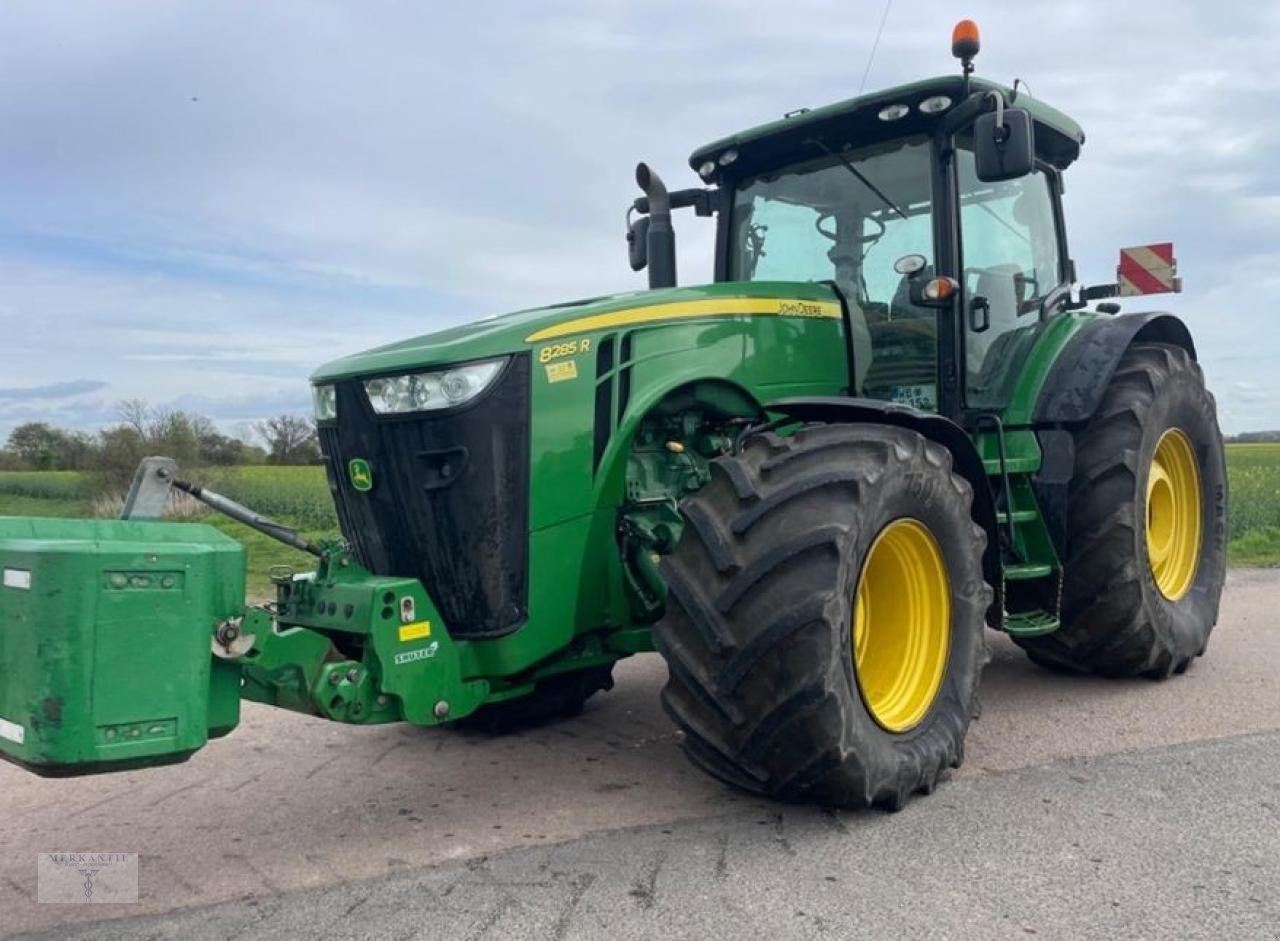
[(1148, 269)]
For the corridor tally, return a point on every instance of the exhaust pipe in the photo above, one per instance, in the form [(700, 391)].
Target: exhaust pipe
[(661, 238)]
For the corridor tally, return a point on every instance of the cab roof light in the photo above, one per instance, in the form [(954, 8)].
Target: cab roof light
[(965, 41)]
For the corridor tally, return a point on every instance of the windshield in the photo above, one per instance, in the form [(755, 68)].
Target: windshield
[(847, 218)]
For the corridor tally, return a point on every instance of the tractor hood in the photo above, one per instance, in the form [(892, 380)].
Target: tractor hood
[(511, 333)]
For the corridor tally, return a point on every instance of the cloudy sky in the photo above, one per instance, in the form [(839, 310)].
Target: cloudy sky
[(200, 202)]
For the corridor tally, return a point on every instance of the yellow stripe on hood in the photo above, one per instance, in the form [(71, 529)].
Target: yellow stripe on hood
[(680, 310)]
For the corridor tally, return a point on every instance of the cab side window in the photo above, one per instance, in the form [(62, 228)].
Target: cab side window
[(784, 243), (1009, 242)]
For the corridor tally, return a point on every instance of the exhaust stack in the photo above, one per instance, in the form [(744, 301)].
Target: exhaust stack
[(661, 237)]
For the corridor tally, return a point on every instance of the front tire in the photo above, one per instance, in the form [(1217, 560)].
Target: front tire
[(1146, 533), (824, 625)]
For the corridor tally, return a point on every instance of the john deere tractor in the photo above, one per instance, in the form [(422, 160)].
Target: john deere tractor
[(893, 421)]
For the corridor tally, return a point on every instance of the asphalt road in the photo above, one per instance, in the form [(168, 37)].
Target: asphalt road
[(1085, 808)]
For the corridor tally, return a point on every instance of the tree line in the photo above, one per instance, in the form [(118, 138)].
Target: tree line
[(191, 439)]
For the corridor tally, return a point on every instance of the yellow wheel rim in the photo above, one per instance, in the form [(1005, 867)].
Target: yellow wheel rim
[(901, 625), (1173, 514)]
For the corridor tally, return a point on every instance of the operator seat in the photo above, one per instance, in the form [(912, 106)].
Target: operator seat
[(999, 284)]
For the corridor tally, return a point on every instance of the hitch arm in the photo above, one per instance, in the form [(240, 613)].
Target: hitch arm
[(241, 513), (156, 476)]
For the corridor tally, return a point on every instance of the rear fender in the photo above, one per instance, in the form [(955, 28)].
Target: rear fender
[(1079, 376)]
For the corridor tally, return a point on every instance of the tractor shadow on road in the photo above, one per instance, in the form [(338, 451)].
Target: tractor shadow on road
[(289, 801)]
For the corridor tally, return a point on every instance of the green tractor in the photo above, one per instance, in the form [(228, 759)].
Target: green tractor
[(893, 421)]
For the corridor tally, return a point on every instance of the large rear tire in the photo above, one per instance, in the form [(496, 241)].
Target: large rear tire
[(824, 625), (1146, 532)]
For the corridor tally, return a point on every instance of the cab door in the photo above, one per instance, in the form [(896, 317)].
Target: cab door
[(1012, 259)]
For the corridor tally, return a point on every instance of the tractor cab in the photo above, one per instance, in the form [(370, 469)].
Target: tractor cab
[(933, 209)]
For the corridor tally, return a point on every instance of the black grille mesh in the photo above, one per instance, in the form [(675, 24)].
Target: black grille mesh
[(449, 503)]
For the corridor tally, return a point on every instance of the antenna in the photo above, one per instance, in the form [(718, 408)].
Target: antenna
[(874, 46)]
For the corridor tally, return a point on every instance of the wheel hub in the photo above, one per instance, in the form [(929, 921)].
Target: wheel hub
[(1173, 514), (901, 625)]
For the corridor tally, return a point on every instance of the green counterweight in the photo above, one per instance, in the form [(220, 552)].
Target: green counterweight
[(125, 644), (105, 630)]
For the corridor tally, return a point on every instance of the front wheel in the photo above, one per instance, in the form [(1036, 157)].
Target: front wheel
[(824, 625)]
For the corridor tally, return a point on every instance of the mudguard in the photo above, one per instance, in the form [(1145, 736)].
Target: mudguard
[(964, 455), (1079, 376)]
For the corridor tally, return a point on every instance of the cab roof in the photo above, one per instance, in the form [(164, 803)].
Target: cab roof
[(855, 121)]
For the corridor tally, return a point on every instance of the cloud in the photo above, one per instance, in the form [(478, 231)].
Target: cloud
[(205, 201), (55, 390)]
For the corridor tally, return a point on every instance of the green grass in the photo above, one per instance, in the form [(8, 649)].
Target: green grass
[(47, 485), (1253, 516), (299, 497), (11, 505)]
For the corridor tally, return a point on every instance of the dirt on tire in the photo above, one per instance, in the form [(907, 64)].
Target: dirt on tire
[(757, 634), (1115, 619)]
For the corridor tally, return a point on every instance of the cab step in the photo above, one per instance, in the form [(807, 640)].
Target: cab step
[(1024, 571), (1030, 623), (1019, 516)]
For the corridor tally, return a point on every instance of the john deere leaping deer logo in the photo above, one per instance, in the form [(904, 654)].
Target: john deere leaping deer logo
[(360, 475)]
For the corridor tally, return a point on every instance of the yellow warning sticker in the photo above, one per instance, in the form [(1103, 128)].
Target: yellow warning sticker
[(558, 372), (416, 631)]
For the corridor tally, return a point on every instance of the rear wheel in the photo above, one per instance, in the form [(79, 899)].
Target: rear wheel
[(1146, 540), (824, 625)]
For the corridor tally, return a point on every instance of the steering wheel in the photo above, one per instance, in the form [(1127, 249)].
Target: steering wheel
[(867, 240)]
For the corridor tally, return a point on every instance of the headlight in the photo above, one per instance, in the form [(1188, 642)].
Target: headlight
[(325, 400), (424, 391)]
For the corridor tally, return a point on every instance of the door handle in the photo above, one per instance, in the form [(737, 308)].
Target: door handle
[(979, 314)]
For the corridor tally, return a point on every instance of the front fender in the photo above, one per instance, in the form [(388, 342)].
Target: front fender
[(964, 456)]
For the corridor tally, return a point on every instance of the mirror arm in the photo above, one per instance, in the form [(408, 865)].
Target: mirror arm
[(1098, 291), (1002, 132), (964, 114), (1061, 296), (703, 201)]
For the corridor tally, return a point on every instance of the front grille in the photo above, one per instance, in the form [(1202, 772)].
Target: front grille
[(449, 503)]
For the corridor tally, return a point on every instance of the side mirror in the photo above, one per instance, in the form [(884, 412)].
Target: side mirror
[(1004, 145), (638, 243)]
